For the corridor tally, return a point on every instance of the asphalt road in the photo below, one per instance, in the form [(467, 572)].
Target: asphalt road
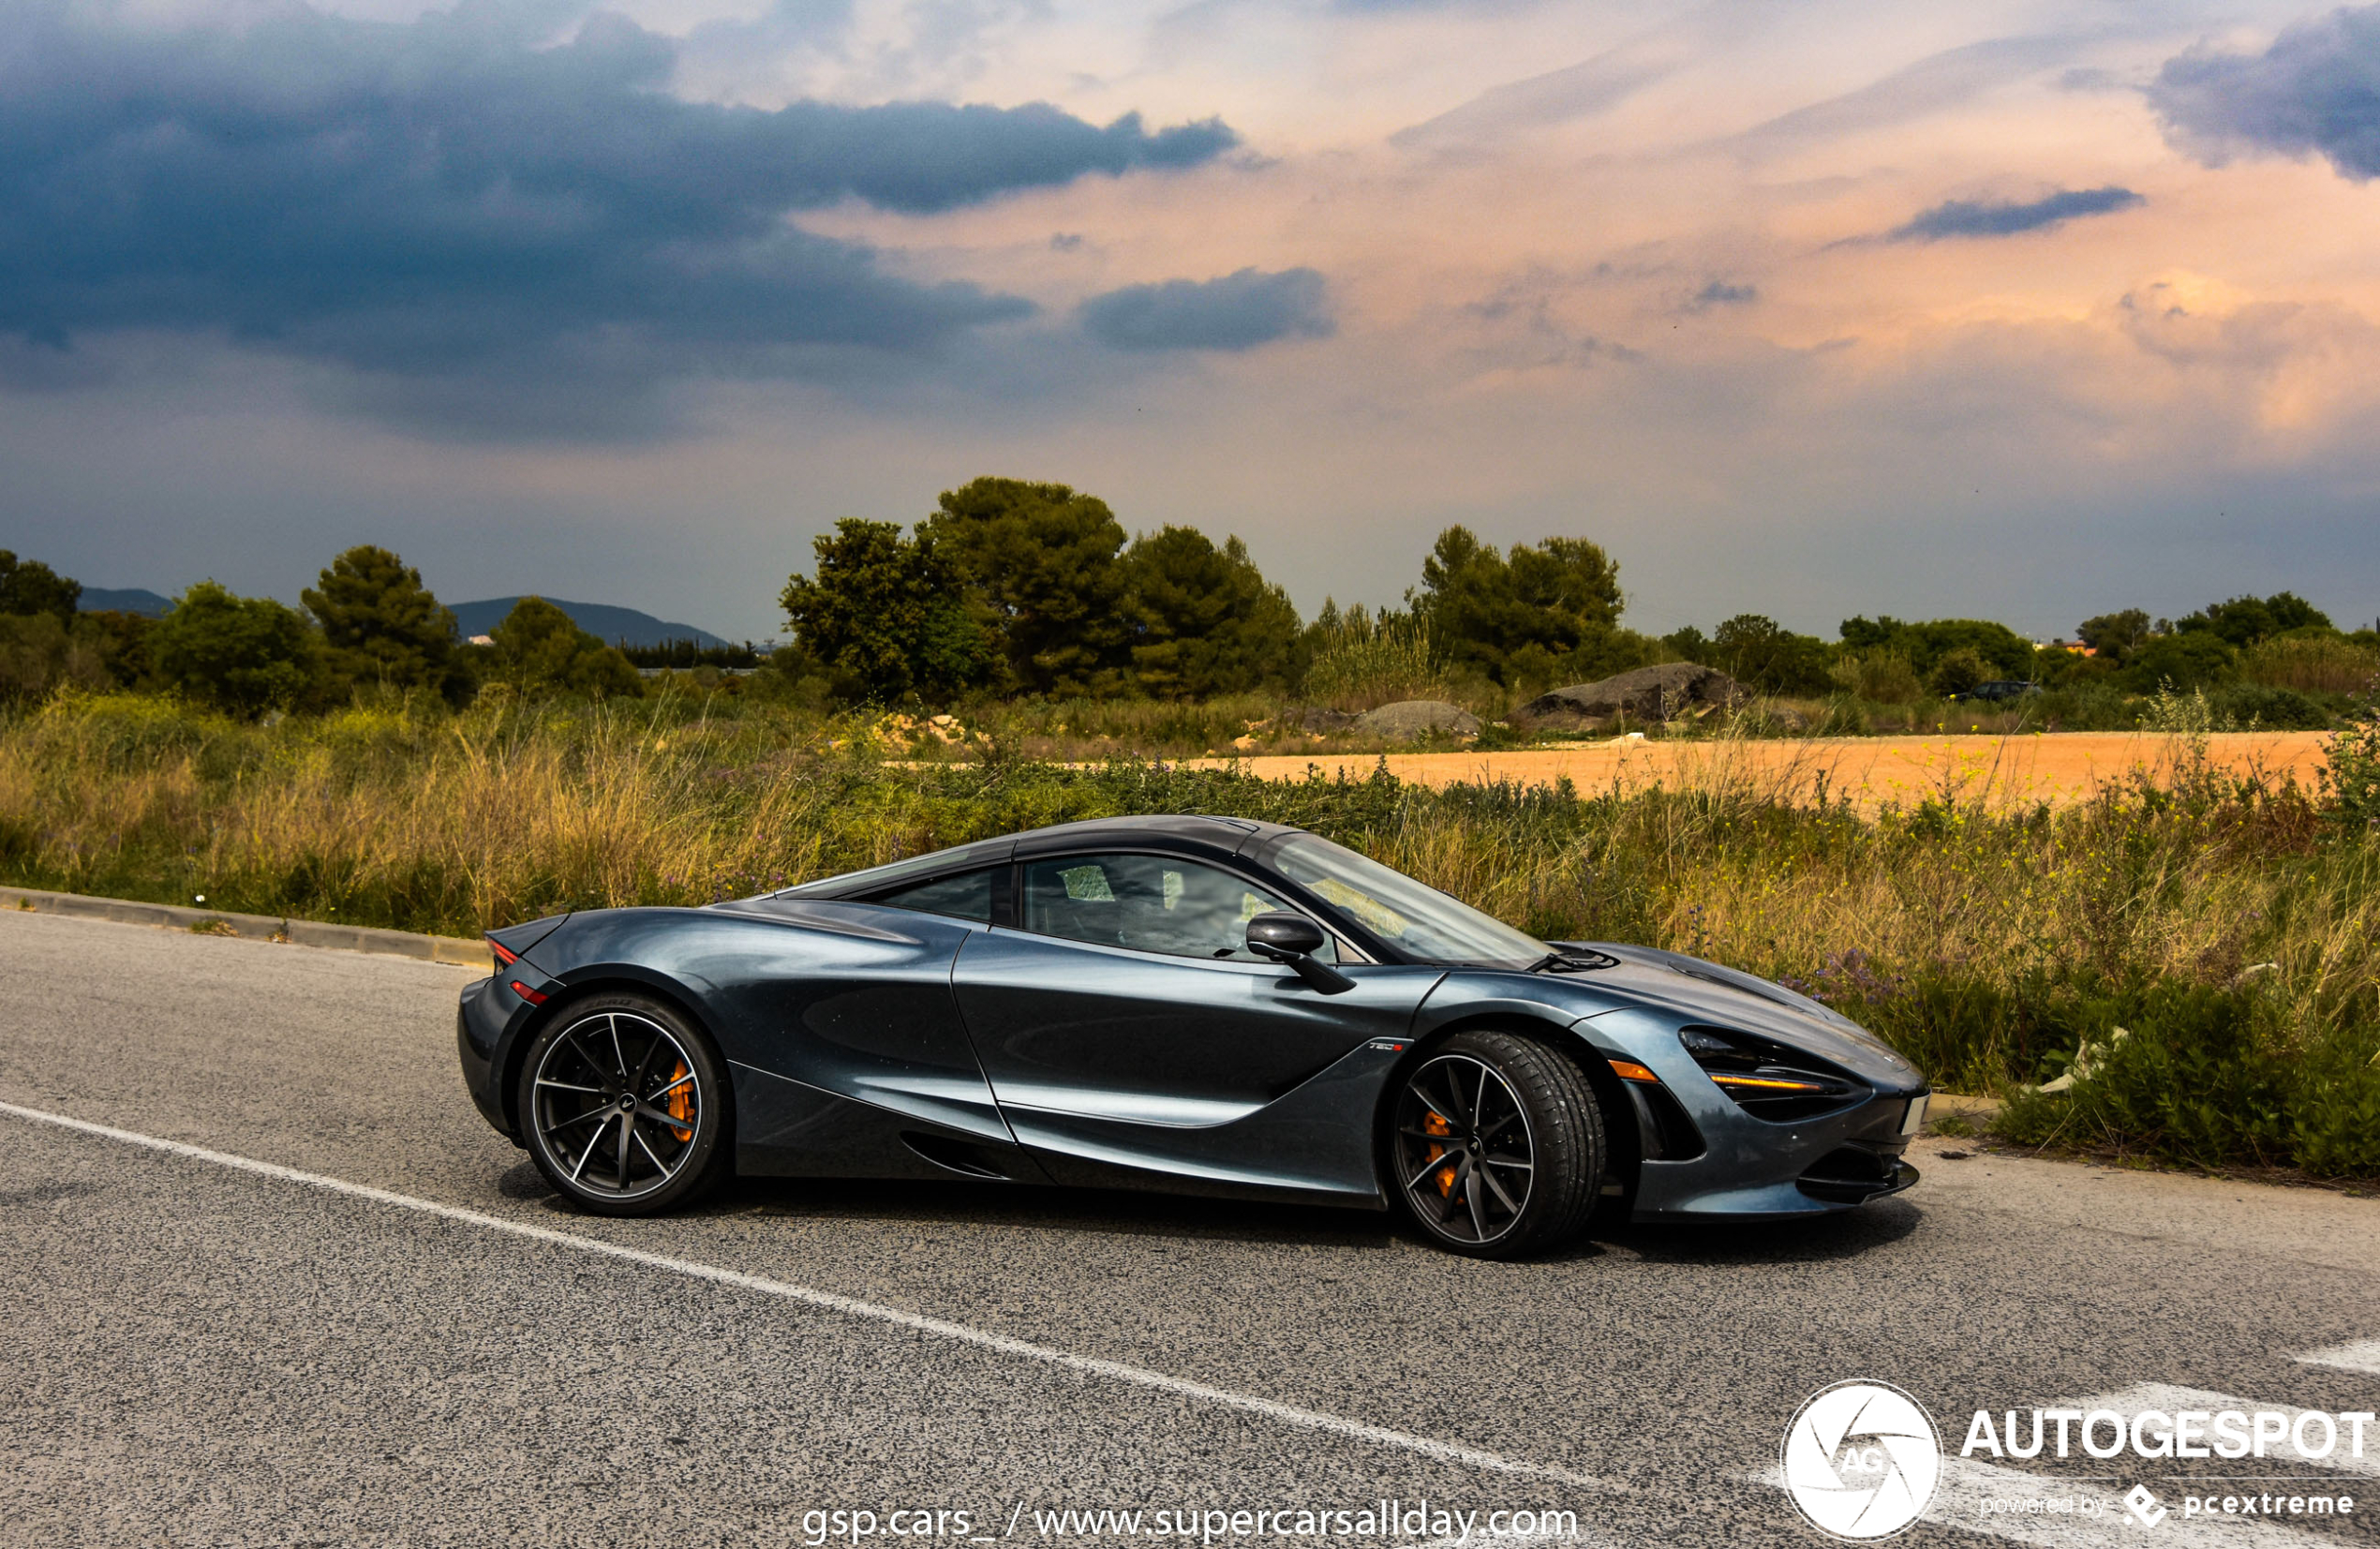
[(198, 1352)]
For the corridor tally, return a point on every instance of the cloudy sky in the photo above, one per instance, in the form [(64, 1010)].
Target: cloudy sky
[(2007, 308)]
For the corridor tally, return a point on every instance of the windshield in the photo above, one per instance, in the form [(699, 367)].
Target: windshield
[(1420, 921)]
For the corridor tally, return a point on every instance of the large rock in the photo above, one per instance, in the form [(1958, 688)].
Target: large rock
[(1318, 720), (1411, 720), (1648, 694)]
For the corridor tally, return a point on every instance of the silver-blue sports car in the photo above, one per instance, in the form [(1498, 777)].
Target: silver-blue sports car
[(1202, 1005)]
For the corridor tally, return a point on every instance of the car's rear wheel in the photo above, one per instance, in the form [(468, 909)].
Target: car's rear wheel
[(1497, 1145), (625, 1107)]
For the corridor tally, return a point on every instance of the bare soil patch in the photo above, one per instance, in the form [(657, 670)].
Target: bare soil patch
[(2057, 767)]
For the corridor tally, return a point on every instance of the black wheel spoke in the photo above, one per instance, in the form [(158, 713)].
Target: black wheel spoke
[(1430, 1168), (589, 1059), (618, 1056), (591, 1144), (1485, 1176), (652, 1115)]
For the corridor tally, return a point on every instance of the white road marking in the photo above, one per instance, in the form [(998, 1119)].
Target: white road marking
[(2166, 1400), (2353, 1358), (1354, 1430)]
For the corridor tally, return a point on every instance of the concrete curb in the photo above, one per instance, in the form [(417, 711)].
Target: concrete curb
[(301, 933), (1977, 1112)]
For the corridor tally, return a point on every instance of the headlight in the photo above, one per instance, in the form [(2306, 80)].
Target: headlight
[(1768, 1079)]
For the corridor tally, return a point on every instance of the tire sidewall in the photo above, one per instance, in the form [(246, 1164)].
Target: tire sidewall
[(714, 1137)]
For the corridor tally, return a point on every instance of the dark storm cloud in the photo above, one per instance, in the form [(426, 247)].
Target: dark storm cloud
[(2317, 91), (1237, 312), (441, 198), (1721, 293), (1961, 217)]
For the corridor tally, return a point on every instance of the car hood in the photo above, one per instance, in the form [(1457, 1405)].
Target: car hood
[(1699, 992)]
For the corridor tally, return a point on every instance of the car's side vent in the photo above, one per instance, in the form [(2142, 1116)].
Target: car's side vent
[(1668, 1135), (1768, 1079)]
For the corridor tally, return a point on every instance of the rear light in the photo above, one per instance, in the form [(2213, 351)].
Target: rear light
[(523, 991), (505, 957), (1769, 1080)]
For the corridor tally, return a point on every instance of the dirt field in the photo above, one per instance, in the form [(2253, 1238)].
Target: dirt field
[(1873, 771)]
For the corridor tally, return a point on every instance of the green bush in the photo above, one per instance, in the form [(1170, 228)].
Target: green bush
[(2212, 1077), (241, 655), (537, 649), (2350, 775), (2254, 707)]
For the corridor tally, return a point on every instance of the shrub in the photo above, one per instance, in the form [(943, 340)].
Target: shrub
[(1363, 658), (2254, 706), (537, 649), (2199, 658), (2314, 663), (38, 653), (1958, 671), (242, 655), (2350, 775), (1882, 677), (2209, 1076)]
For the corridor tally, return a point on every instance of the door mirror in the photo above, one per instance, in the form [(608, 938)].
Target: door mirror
[(1280, 935), (1292, 940)]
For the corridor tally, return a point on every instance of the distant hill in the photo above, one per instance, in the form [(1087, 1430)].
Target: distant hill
[(612, 626), (127, 600)]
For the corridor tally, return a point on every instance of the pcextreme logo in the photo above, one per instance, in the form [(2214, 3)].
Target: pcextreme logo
[(1861, 1460)]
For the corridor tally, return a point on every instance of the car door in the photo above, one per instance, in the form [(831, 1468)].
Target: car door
[(1124, 1025)]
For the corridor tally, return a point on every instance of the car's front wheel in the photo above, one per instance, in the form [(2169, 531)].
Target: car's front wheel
[(1497, 1145), (625, 1107)]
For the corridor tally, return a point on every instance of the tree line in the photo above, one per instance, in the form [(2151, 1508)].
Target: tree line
[(368, 621), (1012, 588)]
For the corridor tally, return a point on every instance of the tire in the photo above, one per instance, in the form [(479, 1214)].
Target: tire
[(606, 1153), (1496, 1146)]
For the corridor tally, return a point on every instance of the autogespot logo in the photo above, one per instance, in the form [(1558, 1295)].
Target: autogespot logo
[(1862, 1460)]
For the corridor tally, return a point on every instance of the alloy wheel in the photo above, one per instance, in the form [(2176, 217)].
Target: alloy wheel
[(618, 1104), (1466, 1154)]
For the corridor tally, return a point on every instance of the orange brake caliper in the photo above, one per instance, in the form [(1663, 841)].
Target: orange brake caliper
[(681, 1102), (1438, 1124)]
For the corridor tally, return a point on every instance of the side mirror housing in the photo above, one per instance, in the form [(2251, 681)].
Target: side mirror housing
[(1280, 934), (1291, 940)]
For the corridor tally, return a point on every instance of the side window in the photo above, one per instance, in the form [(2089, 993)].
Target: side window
[(966, 896), (1151, 903)]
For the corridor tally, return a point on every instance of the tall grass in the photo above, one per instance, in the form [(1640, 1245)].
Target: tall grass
[(2311, 665), (2225, 924), (1362, 660)]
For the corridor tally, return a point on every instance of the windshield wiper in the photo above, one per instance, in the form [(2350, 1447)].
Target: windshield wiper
[(1573, 960)]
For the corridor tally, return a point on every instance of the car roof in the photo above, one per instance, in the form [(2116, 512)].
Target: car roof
[(1189, 832)]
